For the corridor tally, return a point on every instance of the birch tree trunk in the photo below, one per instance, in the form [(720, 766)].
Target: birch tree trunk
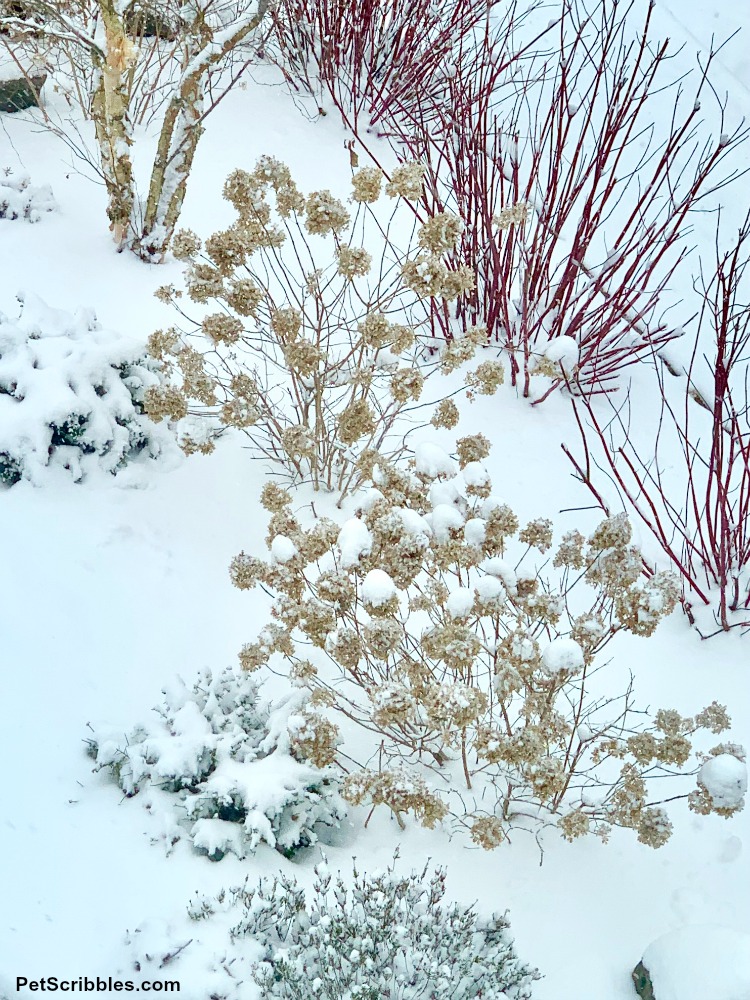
[(179, 137)]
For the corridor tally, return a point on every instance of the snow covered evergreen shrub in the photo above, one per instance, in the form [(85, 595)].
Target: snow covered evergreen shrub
[(231, 769), (71, 396), (465, 648), (311, 347), (20, 200), (386, 937), (374, 937)]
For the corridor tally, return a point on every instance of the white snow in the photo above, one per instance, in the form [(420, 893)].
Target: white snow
[(475, 531), (725, 779), (562, 655), (378, 588), (703, 962), (354, 541), (460, 602), (503, 570), (475, 474), (283, 549), (432, 461), (444, 520), (563, 351)]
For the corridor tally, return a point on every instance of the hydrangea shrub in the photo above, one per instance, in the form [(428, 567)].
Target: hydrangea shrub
[(465, 646), (71, 396), (300, 332), (232, 772)]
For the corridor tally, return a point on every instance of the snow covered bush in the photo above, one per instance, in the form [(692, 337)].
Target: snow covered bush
[(20, 200), (234, 771), (465, 648), (312, 345), (71, 396), (381, 936)]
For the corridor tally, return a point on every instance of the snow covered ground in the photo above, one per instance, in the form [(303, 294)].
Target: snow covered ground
[(108, 590)]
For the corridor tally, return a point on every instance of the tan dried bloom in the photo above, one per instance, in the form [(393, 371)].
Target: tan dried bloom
[(272, 172), (401, 338), (538, 534), (613, 533), (644, 747), (400, 791), (354, 262), (440, 233), (185, 244), (204, 282), (222, 329), (512, 215), (240, 188), (460, 350), (574, 824), (445, 414), (486, 378), (315, 740), (406, 181), (501, 523), (253, 656), (356, 421), (487, 832), (570, 550), (244, 296), (162, 343), (274, 498), (345, 646), (301, 672), (714, 718), (406, 384), (245, 571), (654, 828), (325, 214), (167, 294), (303, 357), (366, 184), (428, 276), (286, 324), (472, 448), (297, 441), (227, 249), (382, 637), (375, 330), (240, 413), (164, 402)]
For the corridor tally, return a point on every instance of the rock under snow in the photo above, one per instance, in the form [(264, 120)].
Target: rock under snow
[(703, 962)]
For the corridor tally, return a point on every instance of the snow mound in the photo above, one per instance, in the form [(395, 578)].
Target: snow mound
[(19, 200), (725, 779), (378, 588), (562, 655), (703, 962)]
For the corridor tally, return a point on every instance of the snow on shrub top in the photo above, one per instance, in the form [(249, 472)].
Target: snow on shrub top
[(19, 200), (230, 768), (70, 396)]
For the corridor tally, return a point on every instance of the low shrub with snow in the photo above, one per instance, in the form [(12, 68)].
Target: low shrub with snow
[(71, 396), (20, 200), (214, 760), (386, 936), (375, 937), (465, 648)]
